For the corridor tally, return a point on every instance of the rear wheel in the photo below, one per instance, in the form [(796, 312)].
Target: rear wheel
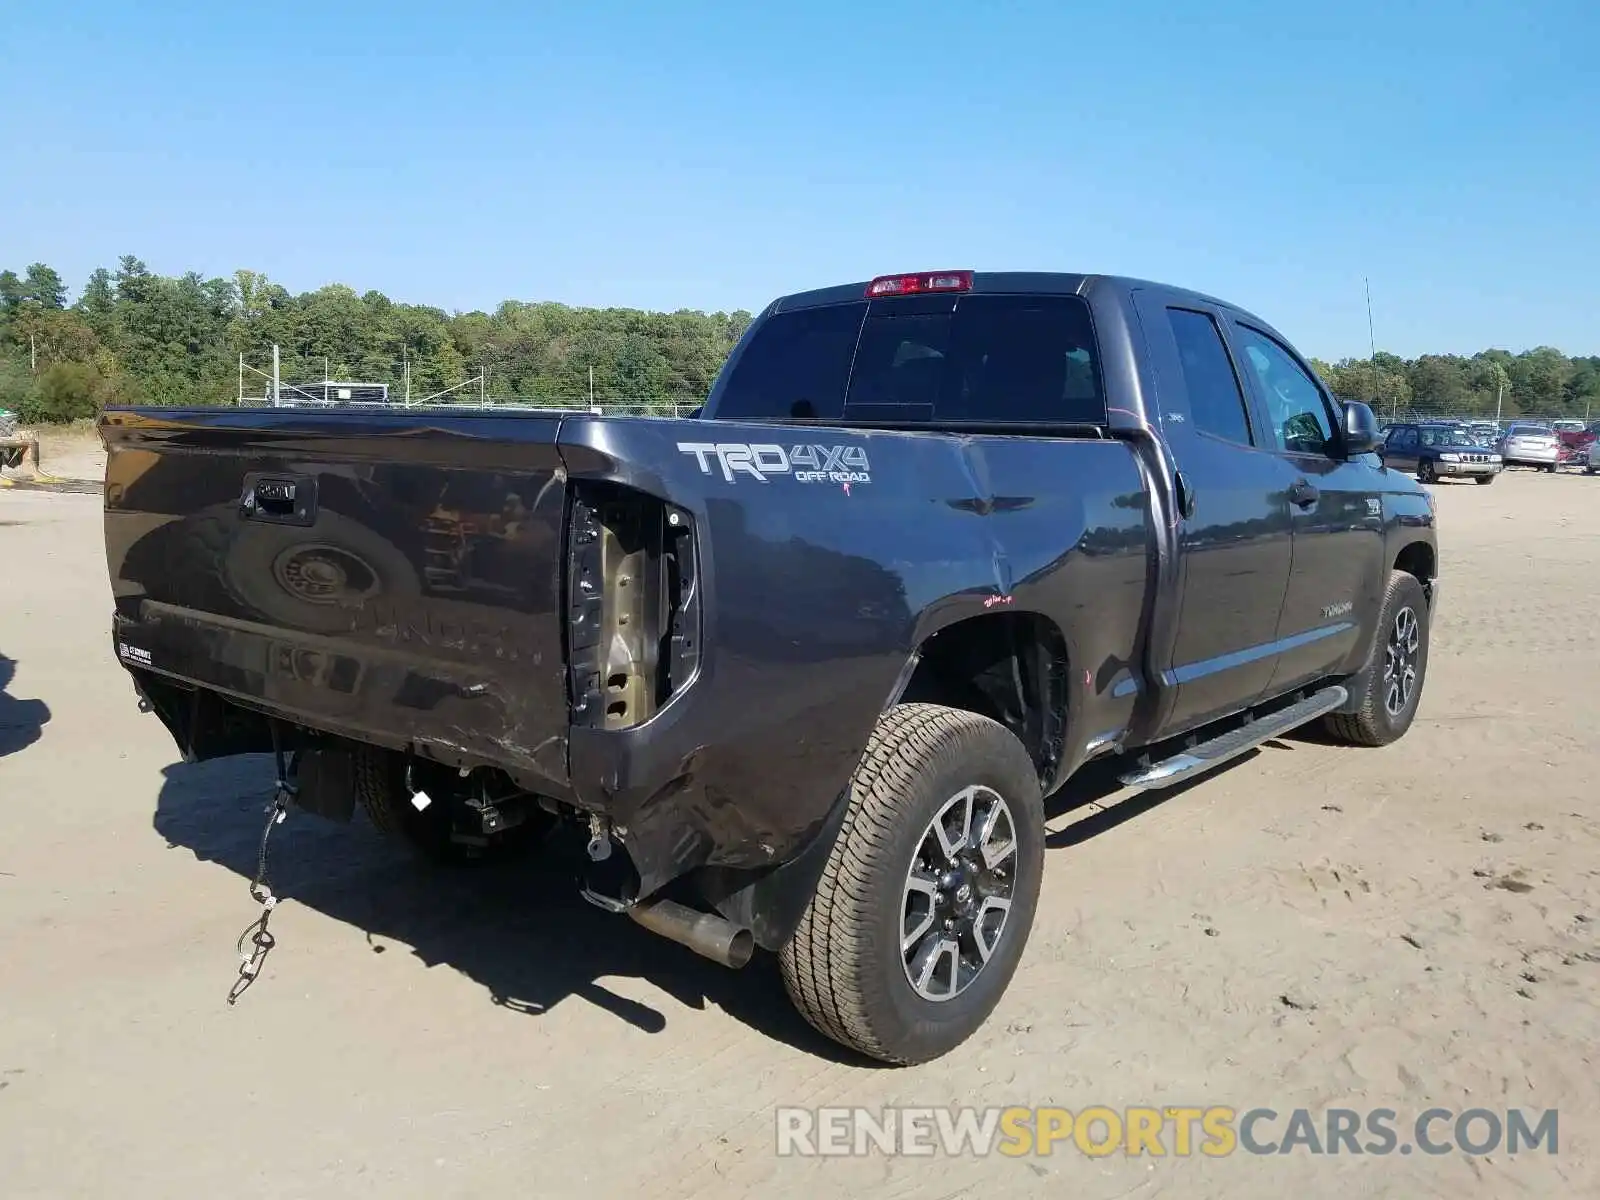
[(928, 896), (1391, 683)]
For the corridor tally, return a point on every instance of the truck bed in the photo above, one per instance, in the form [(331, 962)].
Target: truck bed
[(458, 586)]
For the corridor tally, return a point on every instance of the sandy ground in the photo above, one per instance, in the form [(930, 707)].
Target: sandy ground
[(65, 452), (1313, 926)]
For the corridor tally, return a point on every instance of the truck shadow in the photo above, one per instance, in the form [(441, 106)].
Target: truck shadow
[(21, 721), (1097, 782), (518, 929)]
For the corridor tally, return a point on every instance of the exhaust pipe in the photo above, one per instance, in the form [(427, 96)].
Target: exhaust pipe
[(705, 933)]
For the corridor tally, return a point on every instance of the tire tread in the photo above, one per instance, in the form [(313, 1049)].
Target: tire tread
[(1365, 726), (832, 951)]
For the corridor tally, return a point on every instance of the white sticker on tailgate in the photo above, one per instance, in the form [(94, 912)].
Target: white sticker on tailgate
[(133, 654)]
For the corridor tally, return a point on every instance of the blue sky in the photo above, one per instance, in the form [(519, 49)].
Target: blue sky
[(714, 155)]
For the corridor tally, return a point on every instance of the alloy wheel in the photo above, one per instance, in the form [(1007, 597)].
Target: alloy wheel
[(1400, 662), (957, 895)]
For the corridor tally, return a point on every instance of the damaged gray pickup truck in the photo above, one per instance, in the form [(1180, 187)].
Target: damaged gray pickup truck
[(805, 668)]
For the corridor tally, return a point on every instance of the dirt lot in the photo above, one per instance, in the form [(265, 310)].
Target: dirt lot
[(1315, 927)]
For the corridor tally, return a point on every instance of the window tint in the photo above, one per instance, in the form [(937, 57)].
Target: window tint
[(1301, 423), (1216, 403), (1002, 359), (796, 365), (1408, 438), (1005, 359), (1023, 358), (901, 362)]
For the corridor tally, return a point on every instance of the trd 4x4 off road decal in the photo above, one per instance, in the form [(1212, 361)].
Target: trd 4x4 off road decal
[(763, 460)]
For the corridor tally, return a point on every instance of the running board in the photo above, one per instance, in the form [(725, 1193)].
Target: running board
[(1197, 760)]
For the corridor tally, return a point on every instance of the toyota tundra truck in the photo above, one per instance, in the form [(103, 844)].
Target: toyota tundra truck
[(805, 667)]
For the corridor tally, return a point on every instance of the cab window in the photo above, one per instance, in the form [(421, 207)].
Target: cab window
[(1298, 415)]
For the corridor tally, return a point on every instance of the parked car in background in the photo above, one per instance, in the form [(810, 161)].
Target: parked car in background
[(1435, 450), (1529, 445), (1575, 442), (1484, 433)]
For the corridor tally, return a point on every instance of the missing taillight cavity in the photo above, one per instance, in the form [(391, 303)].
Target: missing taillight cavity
[(632, 609)]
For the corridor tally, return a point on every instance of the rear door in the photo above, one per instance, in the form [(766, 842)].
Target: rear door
[(1337, 513), (1236, 544)]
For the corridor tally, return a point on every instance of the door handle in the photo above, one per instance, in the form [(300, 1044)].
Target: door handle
[(1302, 494)]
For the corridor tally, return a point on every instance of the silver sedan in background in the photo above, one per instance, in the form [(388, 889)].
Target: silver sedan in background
[(1530, 445)]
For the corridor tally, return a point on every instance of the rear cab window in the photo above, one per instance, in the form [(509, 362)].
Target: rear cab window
[(796, 365), (972, 359)]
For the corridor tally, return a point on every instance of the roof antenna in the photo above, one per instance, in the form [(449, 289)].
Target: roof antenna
[(1394, 411)]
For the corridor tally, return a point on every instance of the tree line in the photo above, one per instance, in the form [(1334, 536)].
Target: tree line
[(135, 337)]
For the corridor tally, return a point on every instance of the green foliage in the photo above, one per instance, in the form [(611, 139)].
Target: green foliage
[(137, 337), (16, 385), (64, 391)]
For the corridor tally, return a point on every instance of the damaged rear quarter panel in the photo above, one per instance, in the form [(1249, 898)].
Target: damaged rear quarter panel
[(816, 588)]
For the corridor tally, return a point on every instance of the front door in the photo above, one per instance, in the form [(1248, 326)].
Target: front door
[(1401, 450), (1337, 576), (1235, 542)]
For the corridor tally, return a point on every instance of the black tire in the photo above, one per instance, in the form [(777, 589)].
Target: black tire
[(844, 968), (1484, 480), (381, 789), (1426, 473), (1374, 722)]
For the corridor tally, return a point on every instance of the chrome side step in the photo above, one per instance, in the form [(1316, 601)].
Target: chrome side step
[(1197, 760)]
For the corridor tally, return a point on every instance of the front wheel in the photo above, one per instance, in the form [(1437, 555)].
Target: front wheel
[(1426, 473), (1390, 685), (928, 896), (1481, 480)]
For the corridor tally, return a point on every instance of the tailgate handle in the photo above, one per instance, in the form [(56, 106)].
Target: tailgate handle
[(280, 499)]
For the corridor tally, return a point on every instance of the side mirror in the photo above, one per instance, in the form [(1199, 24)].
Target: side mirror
[(1361, 434)]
